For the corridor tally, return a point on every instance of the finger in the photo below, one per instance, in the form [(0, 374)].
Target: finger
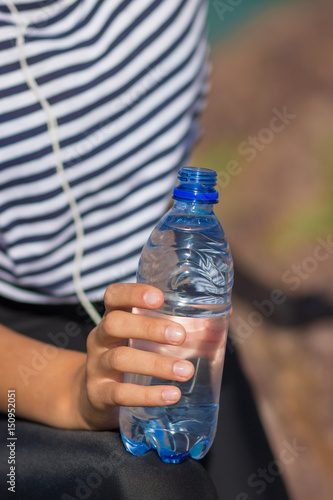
[(128, 360), (138, 395), (124, 325), (128, 295)]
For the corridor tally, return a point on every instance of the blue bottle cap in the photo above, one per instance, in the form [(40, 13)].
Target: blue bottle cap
[(197, 184)]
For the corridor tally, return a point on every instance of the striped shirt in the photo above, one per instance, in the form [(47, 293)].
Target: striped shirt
[(99, 107)]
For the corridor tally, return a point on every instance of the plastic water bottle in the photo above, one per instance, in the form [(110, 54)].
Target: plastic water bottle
[(187, 257)]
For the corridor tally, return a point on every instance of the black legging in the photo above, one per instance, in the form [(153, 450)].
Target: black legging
[(62, 464)]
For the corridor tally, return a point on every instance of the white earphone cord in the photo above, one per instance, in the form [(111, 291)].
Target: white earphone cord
[(52, 127)]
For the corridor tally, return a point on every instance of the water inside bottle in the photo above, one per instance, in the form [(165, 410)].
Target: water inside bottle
[(189, 426)]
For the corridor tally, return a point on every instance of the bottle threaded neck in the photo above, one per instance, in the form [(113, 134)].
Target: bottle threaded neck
[(196, 184)]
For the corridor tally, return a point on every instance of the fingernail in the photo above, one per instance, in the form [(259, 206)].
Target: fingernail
[(174, 335), (182, 369), (151, 298), (170, 395)]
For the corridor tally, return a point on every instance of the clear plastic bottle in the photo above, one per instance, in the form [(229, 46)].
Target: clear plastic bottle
[(187, 257)]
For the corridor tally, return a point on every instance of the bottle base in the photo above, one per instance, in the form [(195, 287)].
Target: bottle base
[(167, 456), (175, 432)]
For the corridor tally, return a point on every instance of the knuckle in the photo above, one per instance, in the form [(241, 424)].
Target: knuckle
[(112, 292), (119, 394), (109, 321), (92, 392), (154, 329), (159, 365), (118, 357), (148, 397), (150, 328), (91, 340), (108, 294), (168, 368), (163, 367)]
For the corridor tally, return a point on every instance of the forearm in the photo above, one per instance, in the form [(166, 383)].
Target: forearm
[(47, 380)]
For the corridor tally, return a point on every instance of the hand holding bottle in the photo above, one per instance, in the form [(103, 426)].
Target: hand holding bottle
[(109, 357)]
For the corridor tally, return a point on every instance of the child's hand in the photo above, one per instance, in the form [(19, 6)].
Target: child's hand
[(108, 357)]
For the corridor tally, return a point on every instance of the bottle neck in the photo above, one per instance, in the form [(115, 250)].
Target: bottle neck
[(193, 207)]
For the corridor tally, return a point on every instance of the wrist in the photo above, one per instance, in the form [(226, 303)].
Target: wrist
[(70, 370)]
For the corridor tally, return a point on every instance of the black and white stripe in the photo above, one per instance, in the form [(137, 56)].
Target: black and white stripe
[(126, 82)]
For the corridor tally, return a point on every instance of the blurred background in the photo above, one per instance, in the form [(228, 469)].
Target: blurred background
[(268, 131)]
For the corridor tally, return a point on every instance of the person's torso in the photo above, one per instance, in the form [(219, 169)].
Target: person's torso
[(98, 109)]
